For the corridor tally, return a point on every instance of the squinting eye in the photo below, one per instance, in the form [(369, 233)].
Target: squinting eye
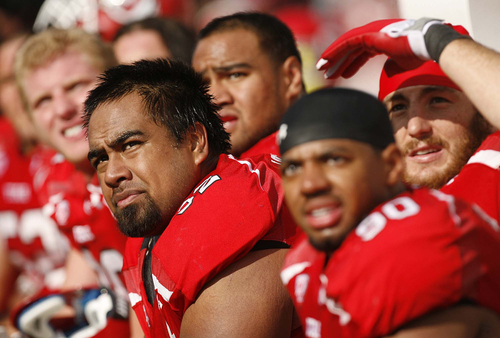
[(290, 170), (129, 145), (439, 100), (236, 75), (98, 161), (335, 160)]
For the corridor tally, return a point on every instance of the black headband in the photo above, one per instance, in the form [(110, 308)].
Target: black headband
[(336, 113)]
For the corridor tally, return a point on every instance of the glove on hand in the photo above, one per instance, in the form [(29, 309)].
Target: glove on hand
[(408, 42)]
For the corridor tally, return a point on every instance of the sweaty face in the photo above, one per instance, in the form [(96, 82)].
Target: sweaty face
[(330, 186), (437, 129), (138, 45), (56, 92), (144, 175), (245, 83)]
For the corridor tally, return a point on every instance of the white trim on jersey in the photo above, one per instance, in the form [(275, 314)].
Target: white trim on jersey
[(162, 290), (450, 201), (490, 158), (292, 271), (134, 298), (249, 165)]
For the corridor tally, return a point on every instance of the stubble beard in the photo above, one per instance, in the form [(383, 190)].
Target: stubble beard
[(466, 146)]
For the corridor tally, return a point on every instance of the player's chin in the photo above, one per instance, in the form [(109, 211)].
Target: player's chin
[(324, 240)]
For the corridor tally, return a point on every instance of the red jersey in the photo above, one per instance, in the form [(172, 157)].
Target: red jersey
[(267, 145), (79, 209), (35, 245), (419, 252), (224, 217), (479, 180)]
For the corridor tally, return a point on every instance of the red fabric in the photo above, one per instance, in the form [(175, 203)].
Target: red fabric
[(419, 252), (79, 209), (394, 77), (218, 224), (484, 164), (34, 243)]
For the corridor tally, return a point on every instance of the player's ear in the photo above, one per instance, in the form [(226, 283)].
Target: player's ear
[(198, 141), (393, 164), (292, 72)]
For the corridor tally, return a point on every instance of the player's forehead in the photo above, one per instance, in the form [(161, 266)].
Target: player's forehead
[(227, 47), (418, 92), (313, 150)]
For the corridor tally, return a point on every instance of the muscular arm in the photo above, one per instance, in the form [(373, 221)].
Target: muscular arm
[(247, 299), (476, 69), (463, 321)]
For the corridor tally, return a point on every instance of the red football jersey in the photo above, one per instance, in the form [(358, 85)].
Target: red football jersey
[(35, 245), (80, 211), (223, 218), (479, 180), (421, 251)]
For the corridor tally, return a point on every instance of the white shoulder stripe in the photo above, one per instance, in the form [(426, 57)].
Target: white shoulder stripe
[(250, 167), (163, 291), (292, 271), (134, 298), (490, 158)]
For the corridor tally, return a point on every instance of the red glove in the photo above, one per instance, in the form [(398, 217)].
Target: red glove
[(402, 40)]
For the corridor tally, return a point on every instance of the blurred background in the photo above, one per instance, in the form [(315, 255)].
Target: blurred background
[(315, 23)]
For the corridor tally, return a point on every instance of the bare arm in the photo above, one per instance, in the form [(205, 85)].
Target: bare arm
[(8, 275), (476, 69), (247, 299), (78, 271), (462, 321)]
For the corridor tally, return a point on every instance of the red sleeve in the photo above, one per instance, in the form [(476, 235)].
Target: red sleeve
[(219, 223), (479, 180)]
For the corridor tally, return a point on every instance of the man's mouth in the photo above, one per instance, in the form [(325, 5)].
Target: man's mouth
[(229, 122), (324, 217), (73, 131), (125, 198), (426, 154)]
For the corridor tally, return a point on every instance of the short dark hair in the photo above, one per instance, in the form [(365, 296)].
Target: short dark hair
[(173, 94), (179, 39), (275, 38)]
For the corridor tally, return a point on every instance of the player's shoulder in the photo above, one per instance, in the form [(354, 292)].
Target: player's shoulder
[(488, 152)]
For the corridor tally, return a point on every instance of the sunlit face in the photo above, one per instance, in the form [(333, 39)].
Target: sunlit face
[(56, 92), (144, 175), (437, 129), (245, 83), (10, 101), (138, 45), (331, 185)]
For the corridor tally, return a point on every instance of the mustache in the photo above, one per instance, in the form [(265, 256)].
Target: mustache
[(414, 143)]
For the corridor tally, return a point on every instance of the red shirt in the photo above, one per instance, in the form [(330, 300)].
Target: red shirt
[(234, 207), (416, 253), (479, 180), (34, 243), (80, 211)]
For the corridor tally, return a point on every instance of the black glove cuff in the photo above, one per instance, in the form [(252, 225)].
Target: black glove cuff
[(438, 37)]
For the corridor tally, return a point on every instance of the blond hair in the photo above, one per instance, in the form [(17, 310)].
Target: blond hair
[(45, 46)]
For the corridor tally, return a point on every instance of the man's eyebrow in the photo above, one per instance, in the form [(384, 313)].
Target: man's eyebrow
[(396, 96), (93, 153), (123, 137)]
